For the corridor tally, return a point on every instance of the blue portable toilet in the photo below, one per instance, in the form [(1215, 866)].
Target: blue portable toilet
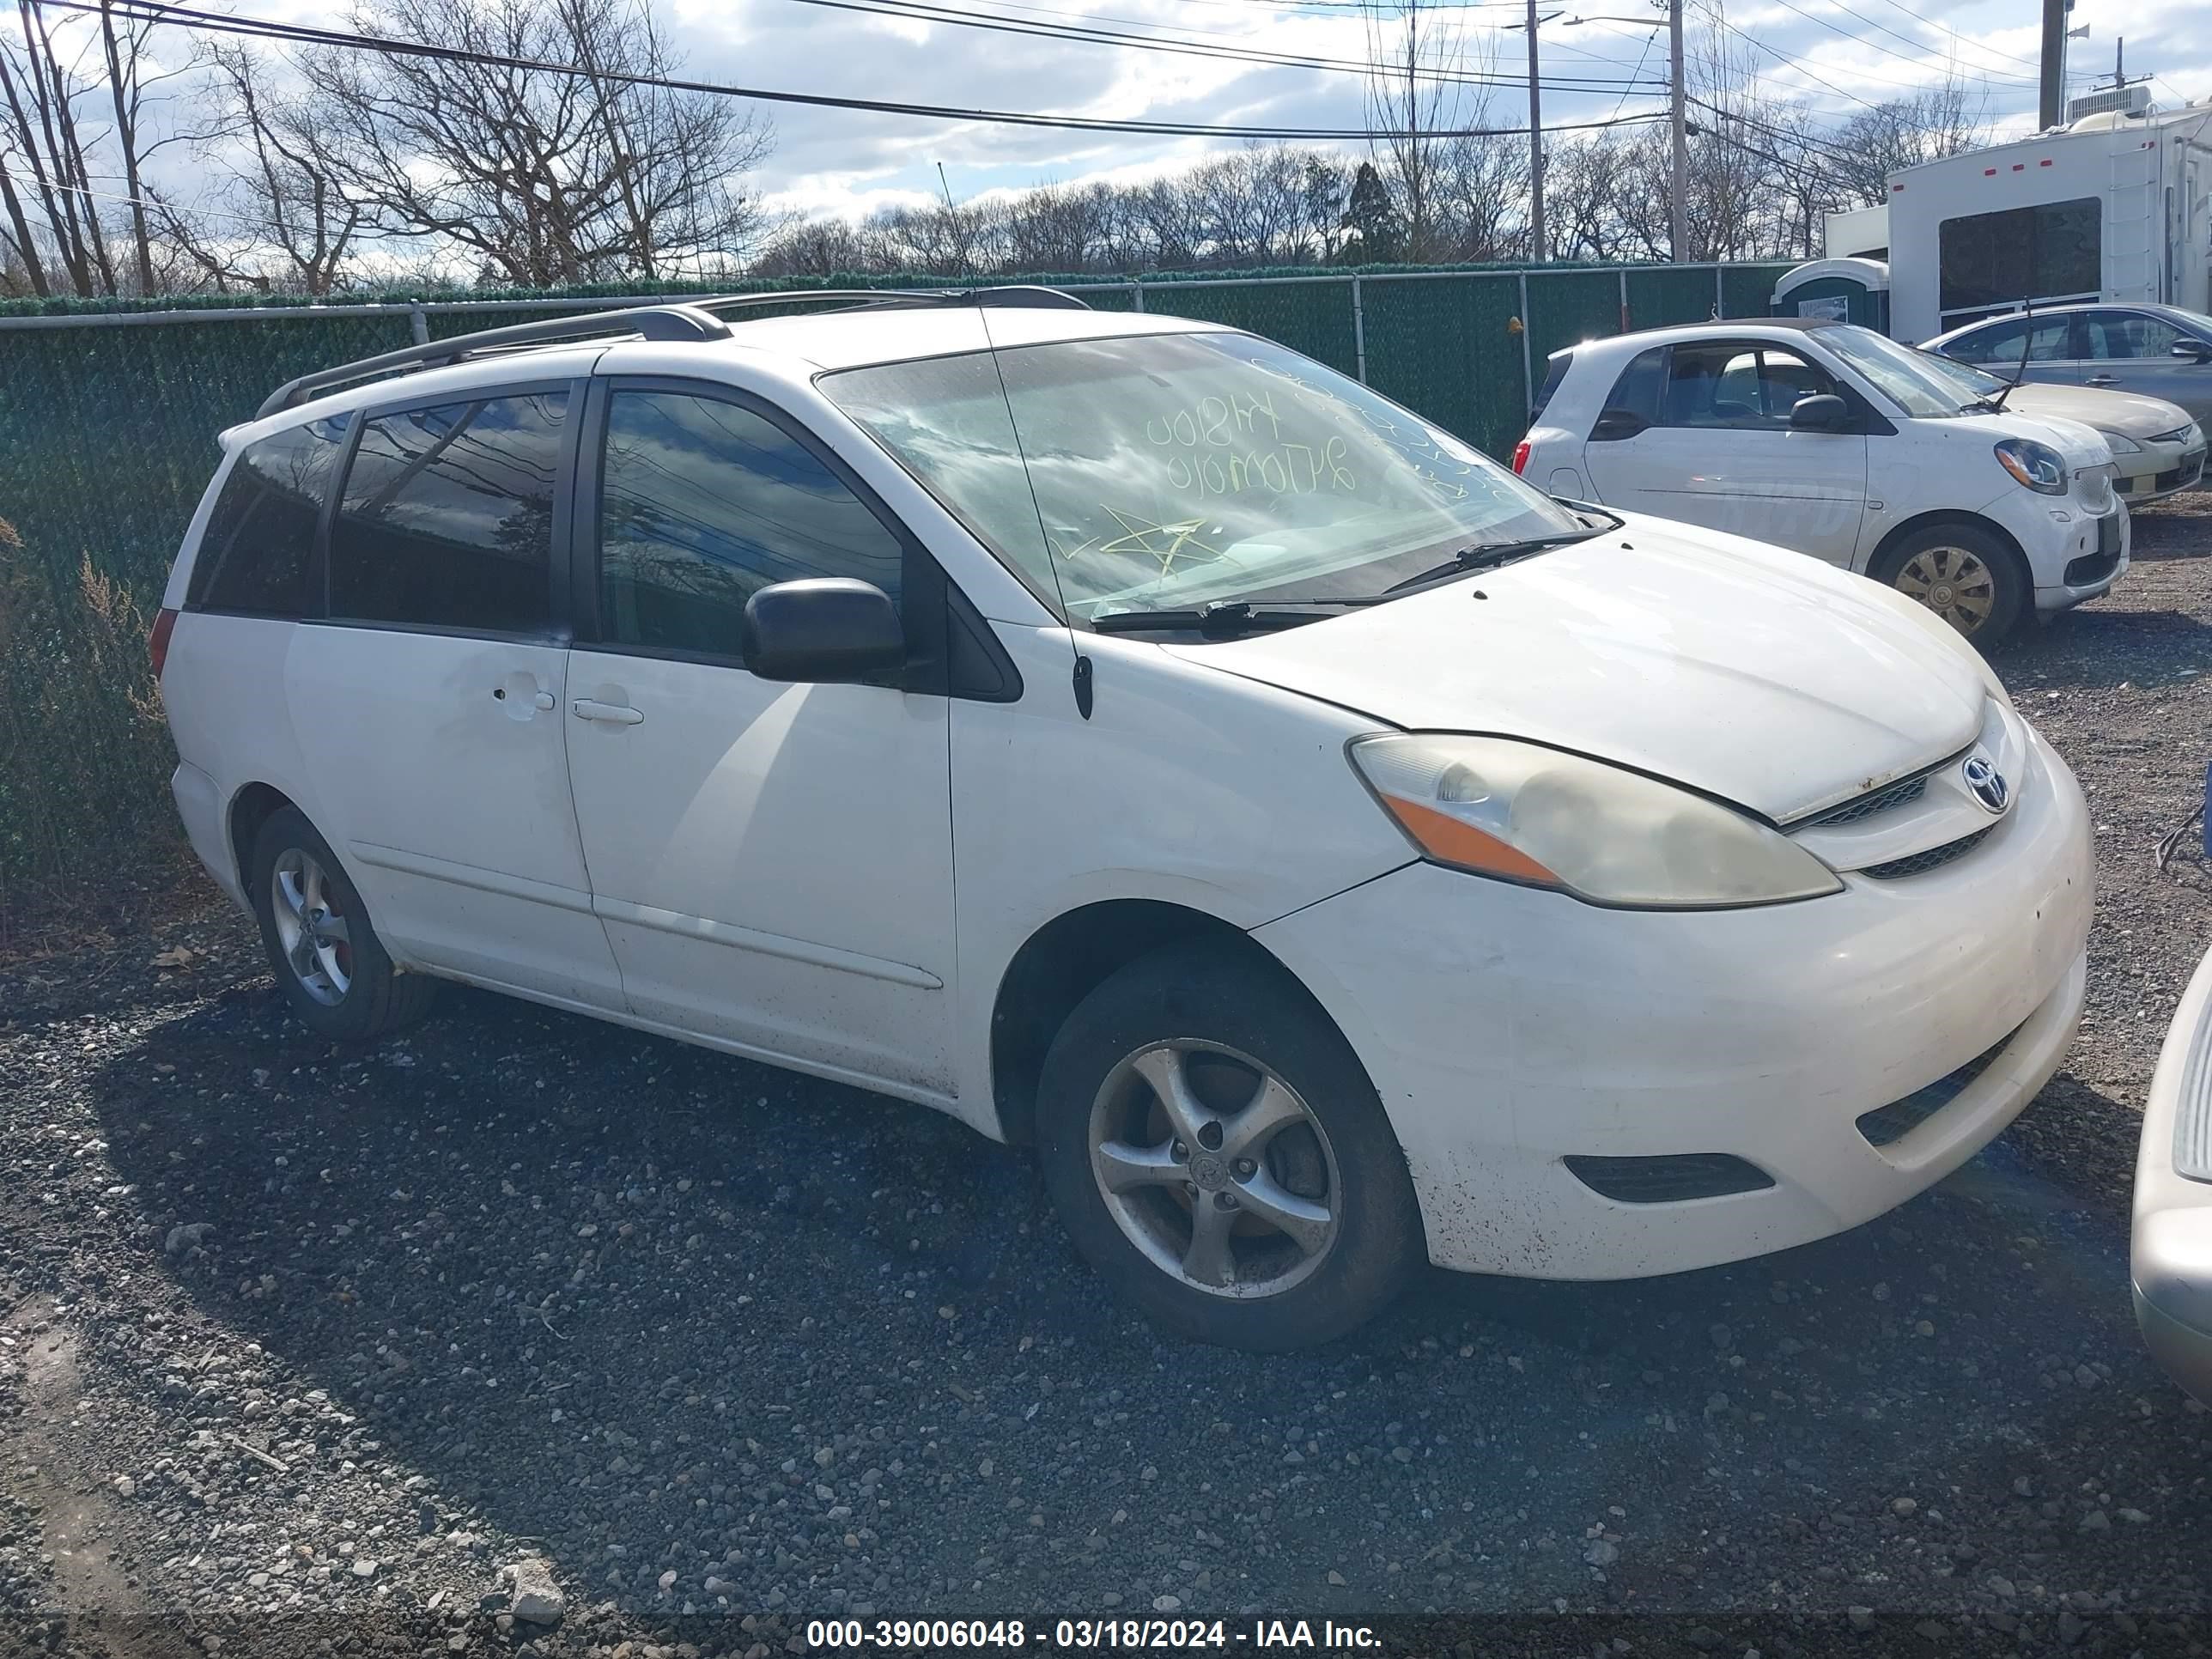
[(1849, 290)]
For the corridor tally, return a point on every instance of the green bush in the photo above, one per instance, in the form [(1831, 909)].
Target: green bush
[(84, 753)]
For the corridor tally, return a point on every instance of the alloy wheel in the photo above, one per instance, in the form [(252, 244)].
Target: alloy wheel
[(311, 926), (1953, 582), (1215, 1167)]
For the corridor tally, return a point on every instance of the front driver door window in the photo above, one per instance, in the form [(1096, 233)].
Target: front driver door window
[(2133, 351), (773, 862), (1721, 451)]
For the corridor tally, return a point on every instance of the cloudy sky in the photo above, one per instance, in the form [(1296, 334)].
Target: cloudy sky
[(1835, 56)]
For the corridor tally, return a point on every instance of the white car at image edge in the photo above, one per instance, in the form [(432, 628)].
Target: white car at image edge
[(1829, 439), (2172, 1252), (1142, 742)]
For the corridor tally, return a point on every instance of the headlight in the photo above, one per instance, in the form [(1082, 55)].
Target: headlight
[(1527, 814), (2039, 467), (2120, 444)]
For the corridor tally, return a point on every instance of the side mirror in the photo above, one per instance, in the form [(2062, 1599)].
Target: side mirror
[(2195, 351), (1823, 411), (1616, 425), (827, 630)]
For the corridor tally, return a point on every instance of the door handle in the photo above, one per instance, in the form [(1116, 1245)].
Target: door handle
[(2102, 379), (613, 714)]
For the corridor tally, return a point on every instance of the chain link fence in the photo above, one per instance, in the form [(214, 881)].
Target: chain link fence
[(109, 412)]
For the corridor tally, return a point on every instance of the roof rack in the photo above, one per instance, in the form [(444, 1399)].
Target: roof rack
[(693, 320)]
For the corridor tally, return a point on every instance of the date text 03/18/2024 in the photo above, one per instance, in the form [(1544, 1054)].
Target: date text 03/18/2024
[(1086, 1634)]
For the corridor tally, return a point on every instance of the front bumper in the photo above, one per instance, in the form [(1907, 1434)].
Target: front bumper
[(2171, 1255), (1507, 1029), (2091, 554), (2159, 472)]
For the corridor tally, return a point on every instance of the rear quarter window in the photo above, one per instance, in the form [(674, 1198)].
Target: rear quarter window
[(254, 558), (1555, 372)]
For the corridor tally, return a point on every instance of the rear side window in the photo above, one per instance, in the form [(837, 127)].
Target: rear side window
[(254, 558), (448, 517), (1636, 391), (2000, 343), (1556, 373), (704, 502)]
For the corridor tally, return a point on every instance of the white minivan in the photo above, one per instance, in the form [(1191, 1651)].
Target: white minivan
[(1140, 741), (1830, 439)]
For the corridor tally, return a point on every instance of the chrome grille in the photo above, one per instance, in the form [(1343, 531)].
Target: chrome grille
[(1919, 864), (1866, 807)]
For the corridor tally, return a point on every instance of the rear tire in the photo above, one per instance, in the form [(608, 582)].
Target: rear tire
[(328, 961), (1268, 1209), (1969, 576)]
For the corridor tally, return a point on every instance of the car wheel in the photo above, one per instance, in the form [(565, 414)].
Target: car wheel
[(1963, 574), (1218, 1153), (328, 961)]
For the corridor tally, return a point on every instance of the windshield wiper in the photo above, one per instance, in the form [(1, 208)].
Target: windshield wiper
[(1223, 618), (1485, 555)]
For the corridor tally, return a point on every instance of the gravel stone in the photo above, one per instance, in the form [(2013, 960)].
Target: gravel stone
[(663, 1326)]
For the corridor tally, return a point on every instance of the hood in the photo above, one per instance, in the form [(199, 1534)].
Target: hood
[(2082, 444), (2129, 413), (1762, 677)]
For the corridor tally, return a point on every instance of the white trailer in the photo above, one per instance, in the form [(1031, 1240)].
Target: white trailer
[(2117, 206)]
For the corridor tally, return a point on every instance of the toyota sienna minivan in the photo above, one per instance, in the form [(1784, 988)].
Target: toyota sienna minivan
[(1143, 742)]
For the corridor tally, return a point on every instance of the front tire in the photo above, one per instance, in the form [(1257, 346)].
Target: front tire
[(1217, 1153), (328, 961), (1966, 575)]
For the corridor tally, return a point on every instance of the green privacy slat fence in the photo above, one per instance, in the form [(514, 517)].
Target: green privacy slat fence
[(1447, 348), (107, 428), (1315, 317)]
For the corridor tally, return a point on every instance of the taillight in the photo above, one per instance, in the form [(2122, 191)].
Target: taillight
[(157, 640), (1520, 456)]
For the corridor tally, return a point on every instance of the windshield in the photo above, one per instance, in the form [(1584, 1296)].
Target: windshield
[(1903, 373), (1173, 470), (1974, 384)]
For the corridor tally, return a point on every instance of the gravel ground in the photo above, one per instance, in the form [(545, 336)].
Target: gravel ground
[(305, 1347)]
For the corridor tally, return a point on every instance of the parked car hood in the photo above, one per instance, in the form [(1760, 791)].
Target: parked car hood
[(1760, 676), (2129, 413)]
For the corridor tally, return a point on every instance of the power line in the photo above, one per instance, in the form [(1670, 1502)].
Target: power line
[(924, 11), (1871, 45), (1923, 46), (216, 23), (1978, 45)]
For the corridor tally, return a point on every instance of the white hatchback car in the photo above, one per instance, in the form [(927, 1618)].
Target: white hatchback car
[(1134, 738), (1828, 439)]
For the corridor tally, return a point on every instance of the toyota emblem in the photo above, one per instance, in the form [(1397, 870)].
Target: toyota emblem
[(1986, 783)]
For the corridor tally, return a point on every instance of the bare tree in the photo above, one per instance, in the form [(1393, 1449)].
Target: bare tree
[(542, 178), (1419, 86), (1934, 122), (82, 110), (280, 215), (42, 80)]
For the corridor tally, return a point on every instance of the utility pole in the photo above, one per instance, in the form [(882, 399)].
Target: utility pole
[(1535, 150), (1678, 232), (2051, 106)]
